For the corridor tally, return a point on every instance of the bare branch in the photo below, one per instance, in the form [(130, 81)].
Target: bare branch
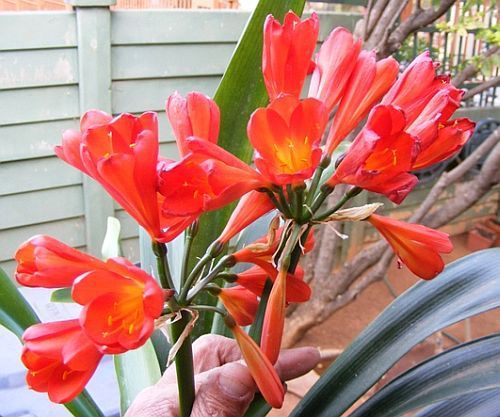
[(389, 14), (470, 70), (493, 82), (417, 20)]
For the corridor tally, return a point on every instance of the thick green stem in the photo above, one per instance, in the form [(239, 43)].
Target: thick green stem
[(184, 357), (311, 193), (160, 251), (184, 366), (191, 233)]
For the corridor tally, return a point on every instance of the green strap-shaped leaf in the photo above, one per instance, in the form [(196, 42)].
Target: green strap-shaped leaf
[(17, 315), (239, 93), (15, 312), (475, 404), (467, 368), (466, 287), (136, 370)]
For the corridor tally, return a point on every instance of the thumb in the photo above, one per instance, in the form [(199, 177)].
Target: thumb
[(226, 392)]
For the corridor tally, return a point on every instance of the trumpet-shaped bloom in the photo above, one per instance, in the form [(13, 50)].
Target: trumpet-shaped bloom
[(205, 179), (451, 137), (286, 136), (335, 63), (417, 246), (251, 207), (287, 53), (43, 261), (416, 86), (369, 81), (122, 155), (120, 305), (196, 115), (254, 280), (263, 249), (381, 156), (274, 318), (60, 359), (260, 367), (240, 303)]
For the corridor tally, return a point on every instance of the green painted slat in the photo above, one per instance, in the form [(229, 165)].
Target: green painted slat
[(34, 68), (154, 61), (41, 206), (176, 26), (130, 249), (330, 20), (141, 95), (38, 104), (37, 30), (69, 231), (9, 267), (94, 66), (129, 228), (30, 175), (32, 140)]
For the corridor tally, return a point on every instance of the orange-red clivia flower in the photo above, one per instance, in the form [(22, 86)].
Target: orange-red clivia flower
[(240, 303), (207, 178), (417, 246), (260, 367), (381, 156), (122, 155), (120, 305), (43, 261), (287, 53), (335, 63), (60, 359), (368, 83), (196, 115), (286, 136), (251, 207), (274, 318), (254, 280)]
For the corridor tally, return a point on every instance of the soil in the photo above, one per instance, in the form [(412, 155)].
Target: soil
[(343, 326)]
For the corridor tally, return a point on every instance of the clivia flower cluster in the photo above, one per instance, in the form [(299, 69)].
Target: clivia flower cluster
[(407, 128)]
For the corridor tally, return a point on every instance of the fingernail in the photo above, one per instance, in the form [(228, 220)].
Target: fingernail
[(235, 380)]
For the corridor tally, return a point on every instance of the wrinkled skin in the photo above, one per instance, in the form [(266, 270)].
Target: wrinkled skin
[(224, 387)]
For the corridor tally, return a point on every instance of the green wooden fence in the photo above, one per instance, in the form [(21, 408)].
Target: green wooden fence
[(56, 65)]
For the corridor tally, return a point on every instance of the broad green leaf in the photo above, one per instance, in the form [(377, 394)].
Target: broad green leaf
[(15, 312), (17, 315), (136, 370), (240, 92), (111, 243), (467, 368), (465, 288), (480, 403), (62, 295)]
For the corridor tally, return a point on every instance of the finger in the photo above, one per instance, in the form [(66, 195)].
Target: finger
[(293, 363), (209, 351), (155, 401), (224, 392)]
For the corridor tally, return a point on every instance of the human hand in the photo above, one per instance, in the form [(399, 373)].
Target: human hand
[(224, 386)]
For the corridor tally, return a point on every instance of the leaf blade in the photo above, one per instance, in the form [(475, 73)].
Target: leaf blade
[(464, 369), (466, 287)]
